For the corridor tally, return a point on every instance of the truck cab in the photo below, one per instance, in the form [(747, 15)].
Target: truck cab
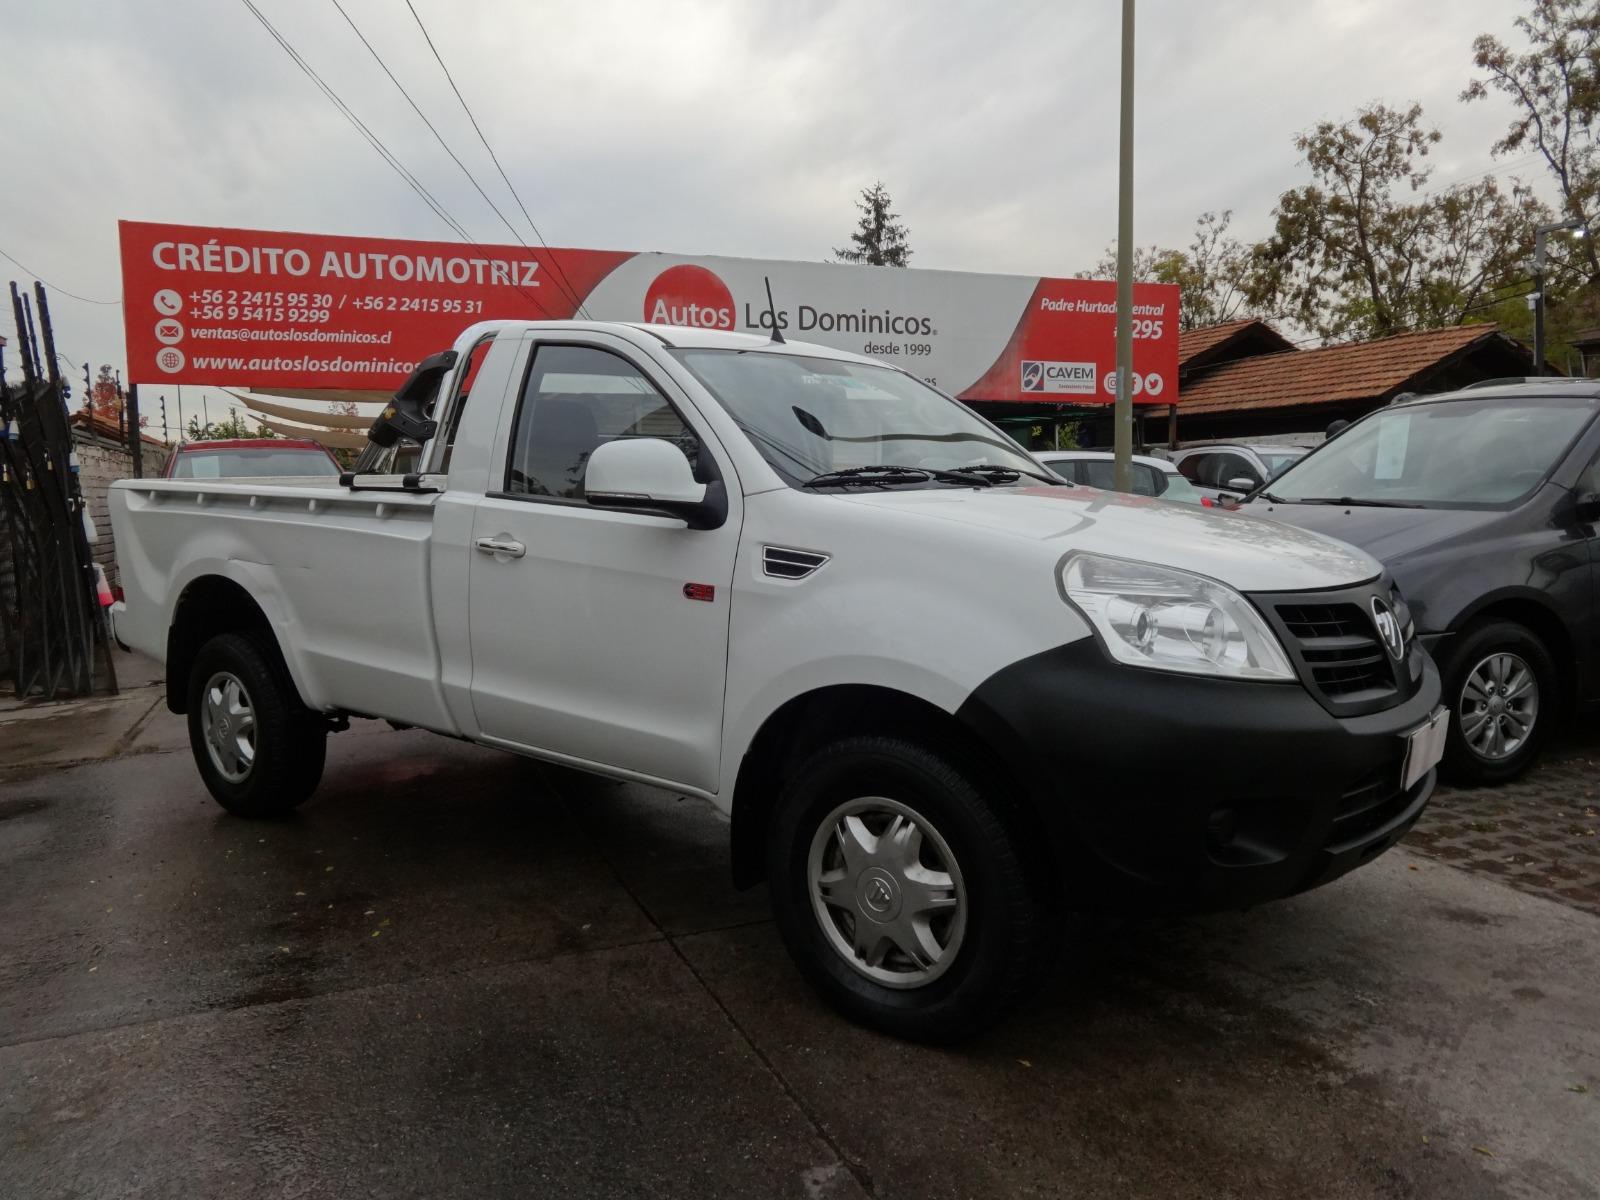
[(945, 698)]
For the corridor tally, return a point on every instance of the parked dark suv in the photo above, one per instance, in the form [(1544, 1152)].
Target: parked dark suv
[(1483, 504)]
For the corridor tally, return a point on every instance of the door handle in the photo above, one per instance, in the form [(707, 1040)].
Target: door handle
[(506, 546)]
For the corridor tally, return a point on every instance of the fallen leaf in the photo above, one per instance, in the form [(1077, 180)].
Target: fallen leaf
[(376, 932), (299, 893), (328, 868), (1024, 1062), (1483, 1150), (1580, 1088)]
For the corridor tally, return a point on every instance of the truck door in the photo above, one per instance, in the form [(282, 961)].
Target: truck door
[(598, 635)]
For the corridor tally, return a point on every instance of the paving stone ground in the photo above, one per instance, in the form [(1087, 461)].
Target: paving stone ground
[(1540, 834)]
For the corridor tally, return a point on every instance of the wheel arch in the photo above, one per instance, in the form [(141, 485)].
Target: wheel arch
[(1534, 612), (812, 719), (209, 605)]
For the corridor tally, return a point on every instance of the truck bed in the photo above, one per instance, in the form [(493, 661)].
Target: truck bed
[(344, 577)]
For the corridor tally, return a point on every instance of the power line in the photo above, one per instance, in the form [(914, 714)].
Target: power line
[(372, 139), (495, 158), (28, 270), (439, 137), (377, 144)]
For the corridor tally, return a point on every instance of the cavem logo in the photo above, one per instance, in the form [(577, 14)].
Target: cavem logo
[(689, 295)]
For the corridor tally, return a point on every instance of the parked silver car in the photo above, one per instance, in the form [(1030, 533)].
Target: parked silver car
[(1233, 470), (1151, 476)]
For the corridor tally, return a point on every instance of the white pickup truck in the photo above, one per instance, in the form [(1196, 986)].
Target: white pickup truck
[(945, 698)]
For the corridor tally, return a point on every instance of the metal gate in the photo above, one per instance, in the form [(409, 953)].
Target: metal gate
[(53, 625)]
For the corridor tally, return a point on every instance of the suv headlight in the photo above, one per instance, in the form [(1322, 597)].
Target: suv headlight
[(1149, 616)]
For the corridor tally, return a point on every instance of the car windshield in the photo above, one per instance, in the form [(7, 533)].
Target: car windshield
[(1179, 489), (1450, 453), (243, 463), (1278, 461), (812, 416)]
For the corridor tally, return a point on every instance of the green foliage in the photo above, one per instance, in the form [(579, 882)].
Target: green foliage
[(233, 428), (1212, 274), (1554, 89), (879, 239), (1363, 251)]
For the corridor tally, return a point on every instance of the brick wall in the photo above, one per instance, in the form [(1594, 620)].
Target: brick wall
[(99, 463)]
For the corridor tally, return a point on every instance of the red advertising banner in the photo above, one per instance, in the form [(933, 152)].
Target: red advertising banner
[(256, 309)]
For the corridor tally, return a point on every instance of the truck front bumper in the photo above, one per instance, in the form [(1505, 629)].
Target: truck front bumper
[(1160, 790)]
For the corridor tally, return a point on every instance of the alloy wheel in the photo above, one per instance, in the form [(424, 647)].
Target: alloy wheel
[(1498, 707)]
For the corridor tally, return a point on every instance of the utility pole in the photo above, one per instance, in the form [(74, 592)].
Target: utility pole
[(1122, 417), (1537, 296)]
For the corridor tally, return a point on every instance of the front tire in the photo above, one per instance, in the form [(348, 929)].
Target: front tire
[(1502, 691), (259, 750), (903, 892)]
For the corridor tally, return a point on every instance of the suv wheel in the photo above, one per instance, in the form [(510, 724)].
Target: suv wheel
[(1502, 690), (259, 750), (901, 892)]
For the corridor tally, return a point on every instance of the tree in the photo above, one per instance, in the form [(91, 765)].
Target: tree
[(1151, 264), (104, 400), (234, 426), (1211, 275), (1363, 251), (879, 239), (1555, 89)]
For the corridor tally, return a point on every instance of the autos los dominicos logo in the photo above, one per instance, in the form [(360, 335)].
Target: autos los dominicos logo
[(689, 295), (1075, 378)]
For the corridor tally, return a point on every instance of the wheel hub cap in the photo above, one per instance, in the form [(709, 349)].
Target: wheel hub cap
[(887, 892), (228, 721), (1498, 707)]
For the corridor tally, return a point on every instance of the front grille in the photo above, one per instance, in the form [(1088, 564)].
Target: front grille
[(1332, 637), (1371, 803), (1340, 647)]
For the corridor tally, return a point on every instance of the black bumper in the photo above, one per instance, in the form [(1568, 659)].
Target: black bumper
[(1160, 790)]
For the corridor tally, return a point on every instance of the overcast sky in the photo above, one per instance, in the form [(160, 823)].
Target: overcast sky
[(735, 127)]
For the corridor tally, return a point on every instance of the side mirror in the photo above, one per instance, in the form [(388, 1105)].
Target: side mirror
[(649, 475), (1588, 506), (1241, 483)]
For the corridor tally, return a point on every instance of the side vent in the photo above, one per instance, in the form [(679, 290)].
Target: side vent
[(780, 562)]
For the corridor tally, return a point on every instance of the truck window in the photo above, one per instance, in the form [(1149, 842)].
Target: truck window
[(577, 397)]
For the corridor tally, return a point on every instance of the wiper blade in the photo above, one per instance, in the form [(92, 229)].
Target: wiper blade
[(1357, 502), (1001, 474), (890, 474), (1271, 499)]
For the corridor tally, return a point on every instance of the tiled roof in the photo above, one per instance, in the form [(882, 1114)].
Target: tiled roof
[(105, 426), (1197, 341), (1353, 371)]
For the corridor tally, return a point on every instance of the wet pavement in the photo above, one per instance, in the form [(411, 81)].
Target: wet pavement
[(455, 973)]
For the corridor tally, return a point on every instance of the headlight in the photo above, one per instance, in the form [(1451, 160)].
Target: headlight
[(1150, 616)]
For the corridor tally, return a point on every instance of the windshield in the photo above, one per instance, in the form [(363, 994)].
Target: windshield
[(812, 416), (1452, 453), (235, 464), (1179, 489), (1278, 461)]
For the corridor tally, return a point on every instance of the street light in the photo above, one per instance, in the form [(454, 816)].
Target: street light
[(1537, 298)]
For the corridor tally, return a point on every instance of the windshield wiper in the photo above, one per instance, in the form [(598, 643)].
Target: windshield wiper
[(1271, 499), (891, 474), (1002, 474), (1356, 502)]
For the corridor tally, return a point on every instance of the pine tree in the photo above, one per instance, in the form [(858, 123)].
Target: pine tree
[(879, 239)]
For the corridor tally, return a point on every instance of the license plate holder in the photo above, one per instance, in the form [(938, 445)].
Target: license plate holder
[(1425, 747)]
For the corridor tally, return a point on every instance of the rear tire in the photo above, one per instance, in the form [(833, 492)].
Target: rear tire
[(1501, 687), (259, 750), (903, 893)]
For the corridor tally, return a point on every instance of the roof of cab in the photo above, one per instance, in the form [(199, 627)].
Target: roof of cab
[(683, 337), (1491, 389)]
